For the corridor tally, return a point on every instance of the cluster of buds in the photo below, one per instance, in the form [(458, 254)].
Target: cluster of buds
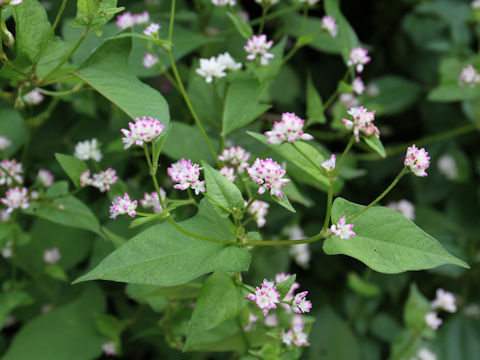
[(33, 97), (267, 297), (45, 178), (149, 60), (123, 206), (329, 24), (186, 175), (128, 19), (258, 210), (269, 175), (51, 256), (358, 58), (152, 201), (216, 67), (362, 122), (102, 181), (257, 48), (295, 335), (228, 172), (235, 156), (4, 143), (469, 76), (142, 131), (417, 160), (342, 229), (16, 198), (10, 171), (88, 149), (329, 165), (290, 128)]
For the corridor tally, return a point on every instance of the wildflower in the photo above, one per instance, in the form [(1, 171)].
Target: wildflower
[(358, 57), (287, 337), (152, 200), (404, 207), (16, 198), (425, 354), (432, 320), (269, 175), (228, 173), (290, 294), (417, 160), (103, 179), (211, 68), (224, 2), (258, 210), (296, 337), (237, 157), (266, 297), (109, 349), (297, 323), (328, 23), (358, 86), (329, 165), (45, 178), (149, 60), (300, 304), (444, 300), (257, 47), (141, 18), (341, 229), (348, 100), (34, 195), (228, 62), (88, 149), (10, 169), (469, 75), (271, 320), (123, 206), (448, 167), (85, 179), (34, 97), (15, 2), (7, 251), (186, 174), (362, 122), (125, 20), (144, 130), (290, 128), (251, 320), (51, 256), (152, 30), (4, 143)]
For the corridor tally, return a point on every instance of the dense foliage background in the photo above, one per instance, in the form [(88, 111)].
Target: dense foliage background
[(418, 49)]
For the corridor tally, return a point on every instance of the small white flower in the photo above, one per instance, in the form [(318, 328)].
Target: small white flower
[(328, 23), (211, 68), (266, 297), (269, 175), (444, 300), (51, 256), (142, 131), (10, 169), (228, 62), (224, 2), (102, 180), (404, 207), (448, 167), (362, 122), (123, 206), (34, 97), (142, 18), (257, 47), (358, 57), (149, 60), (152, 200), (45, 178), (469, 76), (258, 210), (125, 20), (109, 349), (186, 174), (152, 30), (228, 172), (348, 100), (417, 160), (16, 198), (290, 128), (88, 149), (358, 86), (4, 143), (329, 165), (235, 156), (342, 229), (432, 320), (300, 304), (15, 2)]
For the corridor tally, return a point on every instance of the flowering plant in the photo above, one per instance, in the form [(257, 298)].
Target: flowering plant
[(162, 147)]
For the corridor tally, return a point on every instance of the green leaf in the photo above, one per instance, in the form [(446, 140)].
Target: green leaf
[(284, 287), (72, 166), (95, 14), (89, 8), (242, 27), (415, 309), (386, 241), (375, 144), (361, 286), (163, 256), (55, 335), (304, 159), (11, 300), (294, 194), (314, 104), (242, 105), (110, 326), (185, 291), (224, 194), (157, 145), (283, 201), (220, 299), (56, 272), (13, 127), (106, 70)]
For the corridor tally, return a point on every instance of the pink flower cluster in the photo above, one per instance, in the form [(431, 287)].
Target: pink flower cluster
[(298, 302), (417, 160), (358, 57), (4, 143), (186, 174), (342, 229), (329, 165), (10, 169), (258, 210), (142, 131), (51, 256), (329, 25), (152, 201), (362, 122), (152, 29), (469, 76), (16, 198), (269, 174), (358, 86), (101, 181), (267, 297), (295, 335), (123, 206), (128, 19), (257, 48), (290, 128), (45, 178), (149, 60), (228, 172), (235, 156)]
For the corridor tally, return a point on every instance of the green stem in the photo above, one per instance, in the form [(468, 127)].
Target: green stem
[(343, 157), (9, 64), (74, 90), (304, 19), (382, 195), (172, 21), (285, 242), (326, 222), (248, 205), (263, 19)]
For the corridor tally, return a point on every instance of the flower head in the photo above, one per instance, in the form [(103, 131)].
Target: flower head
[(211, 68), (15, 2), (468, 76), (141, 18), (16, 198), (228, 62), (51, 256), (444, 300), (123, 206), (475, 4), (269, 175), (235, 156), (4, 143), (152, 30), (425, 354), (85, 179), (152, 200), (228, 172), (257, 48), (109, 349), (10, 169), (142, 131), (266, 297), (329, 25), (45, 178), (149, 60), (290, 128), (224, 2), (125, 20), (358, 57), (104, 179), (300, 304), (342, 229), (417, 160), (348, 100), (432, 320), (448, 166), (258, 210), (358, 86), (404, 207), (88, 149), (34, 97), (362, 122), (186, 174), (329, 165)]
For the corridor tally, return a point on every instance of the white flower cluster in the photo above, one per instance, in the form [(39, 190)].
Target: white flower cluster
[(258, 210), (290, 128), (257, 48), (235, 156), (152, 201), (186, 175), (101, 181), (216, 67), (88, 149)]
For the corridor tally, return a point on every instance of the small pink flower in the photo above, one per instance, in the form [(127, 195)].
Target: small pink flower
[(45, 178), (109, 349), (235, 156), (123, 206), (358, 86), (152, 30), (228, 172), (258, 210), (85, 179), (469, 76), (362, 122), (149, 60), (4, 143), (125, 20), (359, 57), (34, 97), (10, 169), (329, 165), (142, 131), (16, 198), (152, 201), (141, 18), (300, 304), (417, 160), (186, 174), (444, 300), (290, 128), (432, 320), (104, 179), (343, 230), (257, 48), (266, 297), (269, 175), (51, 256), (329, 24)]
